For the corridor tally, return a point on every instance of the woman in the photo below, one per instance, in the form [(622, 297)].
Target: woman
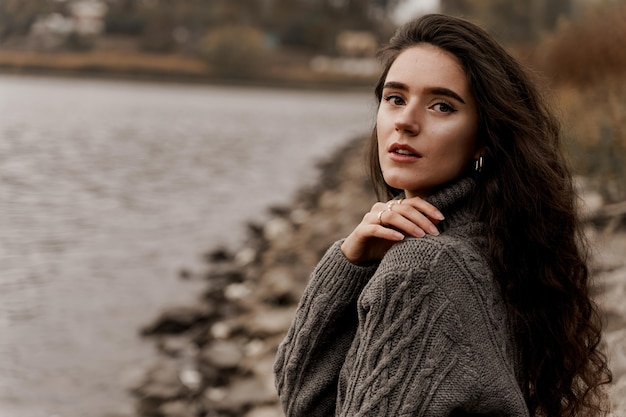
[(487, 314)]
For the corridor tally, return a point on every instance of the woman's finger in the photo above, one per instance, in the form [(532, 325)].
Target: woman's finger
[(393, 218), (384, 232), (413, 216), (408, 217), (369, 241), (424, 207)]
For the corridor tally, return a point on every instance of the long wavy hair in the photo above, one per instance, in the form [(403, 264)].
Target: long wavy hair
[(526, 197)]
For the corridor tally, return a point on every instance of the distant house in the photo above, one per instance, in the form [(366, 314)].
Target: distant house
[(357, 43), (51, 31), (88, 16), (356, 56), (53, 24)]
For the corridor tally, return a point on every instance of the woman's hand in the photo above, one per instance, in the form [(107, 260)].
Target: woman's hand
[(388, 223)]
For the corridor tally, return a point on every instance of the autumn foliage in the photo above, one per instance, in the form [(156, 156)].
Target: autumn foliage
[(585, 59)]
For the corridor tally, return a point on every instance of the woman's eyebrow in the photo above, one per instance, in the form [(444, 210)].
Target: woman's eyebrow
[(443, 91), (395, 85)]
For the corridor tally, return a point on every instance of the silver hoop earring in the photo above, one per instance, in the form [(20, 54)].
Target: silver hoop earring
[(478, 164)]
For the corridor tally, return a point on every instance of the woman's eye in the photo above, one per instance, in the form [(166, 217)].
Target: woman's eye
[(444, 107), (395, 100)]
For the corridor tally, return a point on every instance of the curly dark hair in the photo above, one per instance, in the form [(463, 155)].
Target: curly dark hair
[(526, 197)]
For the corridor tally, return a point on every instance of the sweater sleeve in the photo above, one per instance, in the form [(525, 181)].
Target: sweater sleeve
[(414, 352), (311, 355)]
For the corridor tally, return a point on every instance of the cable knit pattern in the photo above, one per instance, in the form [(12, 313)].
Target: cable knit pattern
[(422, 333)]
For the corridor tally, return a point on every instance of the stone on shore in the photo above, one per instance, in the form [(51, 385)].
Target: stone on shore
[(179, 319)]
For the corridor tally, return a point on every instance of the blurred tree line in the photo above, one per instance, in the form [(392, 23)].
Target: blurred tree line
[(224, 31), (513, 23), (168, 25), (310, 25), (236, 37)]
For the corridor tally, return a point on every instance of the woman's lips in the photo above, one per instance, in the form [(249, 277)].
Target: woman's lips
[(403, 153)]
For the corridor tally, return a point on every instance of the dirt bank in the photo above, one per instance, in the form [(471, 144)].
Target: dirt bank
[(172, 68)]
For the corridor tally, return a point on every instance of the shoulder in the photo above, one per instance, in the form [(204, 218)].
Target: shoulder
[(450, 276), (453, 266), (445, 284), (426, 274), (449, 273), (438, 256)]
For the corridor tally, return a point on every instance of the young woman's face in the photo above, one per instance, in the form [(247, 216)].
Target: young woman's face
[(427, 121)]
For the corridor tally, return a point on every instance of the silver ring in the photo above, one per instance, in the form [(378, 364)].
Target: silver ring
[(400, 200)]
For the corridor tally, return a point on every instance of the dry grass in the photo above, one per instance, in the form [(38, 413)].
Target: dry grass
[(588, 49), (103, 61), (586, 61), (594, 120), (279, 71)]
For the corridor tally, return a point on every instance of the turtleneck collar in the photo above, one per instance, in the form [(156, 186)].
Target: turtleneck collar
[(453, 194), (454, 202)]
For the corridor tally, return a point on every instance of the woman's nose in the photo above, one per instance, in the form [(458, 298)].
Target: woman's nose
[(407, 121)]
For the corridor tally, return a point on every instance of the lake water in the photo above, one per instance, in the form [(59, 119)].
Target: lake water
[(107, 190)]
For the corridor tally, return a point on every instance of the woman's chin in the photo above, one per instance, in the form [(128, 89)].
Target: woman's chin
[(399, 185)]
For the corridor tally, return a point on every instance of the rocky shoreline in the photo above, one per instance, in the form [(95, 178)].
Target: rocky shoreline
[(216, 356)]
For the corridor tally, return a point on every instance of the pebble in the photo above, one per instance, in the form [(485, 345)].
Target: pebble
[(269, 322), (266, 411), (162, 384), (276, 229), (221, 330), (178, 319), (223, 354), (244, 392), (237, 291), (245, 257), (191, 378)]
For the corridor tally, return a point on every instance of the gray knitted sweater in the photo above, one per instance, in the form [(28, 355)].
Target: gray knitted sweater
[(423, 333)]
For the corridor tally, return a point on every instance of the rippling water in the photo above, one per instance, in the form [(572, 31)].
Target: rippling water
[(107, 189)]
